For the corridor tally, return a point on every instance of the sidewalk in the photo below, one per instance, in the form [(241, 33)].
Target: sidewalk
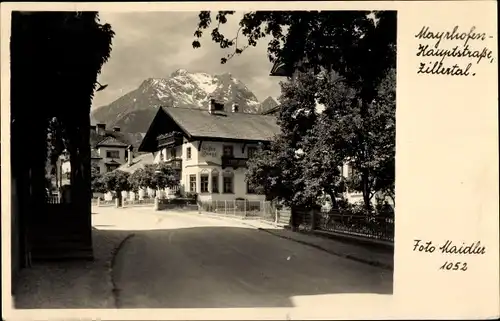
[(72, 285), (357, 252)]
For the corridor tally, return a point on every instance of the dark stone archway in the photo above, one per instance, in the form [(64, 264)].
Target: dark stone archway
[(55, 60)]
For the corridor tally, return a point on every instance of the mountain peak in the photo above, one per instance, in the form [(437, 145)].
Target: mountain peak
[(227, 76), (267, 104), (134, 111), (150, 82), (179, 72)]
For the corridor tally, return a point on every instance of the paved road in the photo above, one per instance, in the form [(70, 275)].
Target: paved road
[(187, 261)]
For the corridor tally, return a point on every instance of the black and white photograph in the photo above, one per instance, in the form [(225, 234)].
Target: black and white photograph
[(201, 159)]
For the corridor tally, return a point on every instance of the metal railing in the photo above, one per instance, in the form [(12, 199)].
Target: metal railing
[(106, 202), (54, 199), (375, 226), (240, 208), (128, 202)]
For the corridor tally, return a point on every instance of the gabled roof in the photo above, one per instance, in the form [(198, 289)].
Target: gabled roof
[(112, 162), (199, 123), (272, 111), (111, 141), (138, 162)]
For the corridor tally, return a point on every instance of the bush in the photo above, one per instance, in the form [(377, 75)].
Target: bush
[(359, 209), (384, 209), (192, 195)]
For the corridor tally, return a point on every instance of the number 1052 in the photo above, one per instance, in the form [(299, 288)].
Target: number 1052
[(454, 266)]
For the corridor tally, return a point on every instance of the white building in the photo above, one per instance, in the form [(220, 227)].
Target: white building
[(110, 153), (209, 148), (107, 154)]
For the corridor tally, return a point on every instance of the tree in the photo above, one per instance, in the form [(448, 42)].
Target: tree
[(267, 169), (165, 176), (348, 42), (277, 170), (139, 180), (154, 176), (58, 56), (55, 140), (97, 183), (364, 139), (360, 46), (117, 181)]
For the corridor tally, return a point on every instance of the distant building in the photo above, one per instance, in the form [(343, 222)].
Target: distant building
[(107, 152), (140, 162), (209, 148)]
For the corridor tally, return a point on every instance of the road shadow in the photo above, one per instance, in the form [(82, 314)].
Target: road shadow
[(71, 284), (232, 267), (196, 267)]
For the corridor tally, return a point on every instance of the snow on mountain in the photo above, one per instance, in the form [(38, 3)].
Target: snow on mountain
[(134, 111)]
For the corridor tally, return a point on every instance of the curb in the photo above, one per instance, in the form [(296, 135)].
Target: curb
[(346, 256), (242, 220), (114, 254)]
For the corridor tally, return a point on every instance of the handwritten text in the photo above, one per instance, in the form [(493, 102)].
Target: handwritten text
[(451, 248), (464, 48)]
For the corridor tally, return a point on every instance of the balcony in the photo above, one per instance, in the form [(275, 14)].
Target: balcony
[(174, 163), (170, 139), (234, 162)]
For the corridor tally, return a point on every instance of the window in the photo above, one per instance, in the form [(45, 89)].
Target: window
[(113, 154), (215, 181), (228, 181), (192, 183), (204, 183), (110, 168), (227, 150), (251, 151), (188, 153), (173, 153)]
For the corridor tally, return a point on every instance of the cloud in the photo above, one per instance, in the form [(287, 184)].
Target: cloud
[(155, 44)]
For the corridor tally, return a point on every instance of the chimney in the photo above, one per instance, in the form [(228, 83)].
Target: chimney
[(101, 128), (116, 129), (211, 106), (92, 129), (130, 155), (235, 108)]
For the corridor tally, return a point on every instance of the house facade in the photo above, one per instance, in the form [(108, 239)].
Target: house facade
[(107, 154), (209, 148), (110, 153)]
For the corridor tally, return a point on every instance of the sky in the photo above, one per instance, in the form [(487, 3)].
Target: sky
[(155, 44)]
